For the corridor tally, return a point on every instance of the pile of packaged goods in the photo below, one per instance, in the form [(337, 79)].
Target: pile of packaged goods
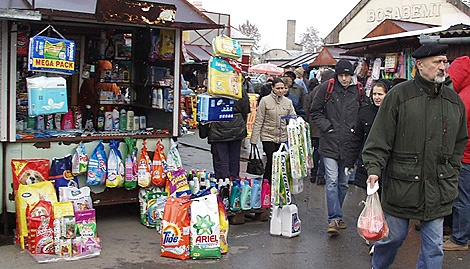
[(53, 223)]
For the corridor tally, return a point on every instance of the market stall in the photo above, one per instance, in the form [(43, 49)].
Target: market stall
[(120, 80)]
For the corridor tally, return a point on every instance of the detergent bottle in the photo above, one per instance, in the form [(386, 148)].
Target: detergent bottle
[(245, 197), (290, 221), (266, 194), (235, 197), (256, 195)]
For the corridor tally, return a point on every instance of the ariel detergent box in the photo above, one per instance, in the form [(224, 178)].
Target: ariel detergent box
[(211, 108)]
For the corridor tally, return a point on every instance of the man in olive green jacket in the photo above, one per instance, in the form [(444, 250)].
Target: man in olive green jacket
[(415, 146)]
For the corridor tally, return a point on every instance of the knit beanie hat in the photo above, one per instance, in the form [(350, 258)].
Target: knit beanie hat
[(344, 67)]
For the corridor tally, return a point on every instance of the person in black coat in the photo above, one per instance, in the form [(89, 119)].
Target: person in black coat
[(366, 117)]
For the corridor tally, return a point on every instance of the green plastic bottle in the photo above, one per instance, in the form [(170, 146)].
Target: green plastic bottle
[(245, 197), (235, 197)]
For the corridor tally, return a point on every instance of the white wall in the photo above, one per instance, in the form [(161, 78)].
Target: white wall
[(435, 12)]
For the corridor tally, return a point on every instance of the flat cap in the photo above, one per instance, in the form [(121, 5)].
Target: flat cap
[(429, 50)]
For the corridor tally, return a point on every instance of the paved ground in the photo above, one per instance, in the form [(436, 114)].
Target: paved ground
[(128, 244)]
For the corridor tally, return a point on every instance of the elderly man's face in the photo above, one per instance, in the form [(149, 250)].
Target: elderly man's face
[(433, 68)]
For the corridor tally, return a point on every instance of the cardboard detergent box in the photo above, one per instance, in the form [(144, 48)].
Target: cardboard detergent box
[(211, 108), (46, 95)]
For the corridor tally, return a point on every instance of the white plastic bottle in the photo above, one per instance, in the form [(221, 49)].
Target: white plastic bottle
[(115, 119)]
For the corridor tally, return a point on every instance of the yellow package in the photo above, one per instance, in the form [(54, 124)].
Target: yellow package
[(224, 46), (223, 219), (31, 194), (225, 78), (61, 210)]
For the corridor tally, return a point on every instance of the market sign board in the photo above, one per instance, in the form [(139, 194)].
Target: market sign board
[(48, 54), (136, 12)]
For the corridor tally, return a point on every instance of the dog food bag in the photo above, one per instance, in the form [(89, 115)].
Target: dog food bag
[(176, 228), (96, 174), (61, 210), (29, 171), (116, 173), (29, 195), (61, 173), (79, 160), (76, 246), (81, 198), (205, 227), (40, 228)]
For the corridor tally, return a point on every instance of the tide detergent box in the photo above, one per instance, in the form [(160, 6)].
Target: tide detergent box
[(214, 108), (46, 95)]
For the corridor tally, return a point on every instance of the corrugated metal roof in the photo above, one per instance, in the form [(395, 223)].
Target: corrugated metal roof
[(187, 16), (304, 58)]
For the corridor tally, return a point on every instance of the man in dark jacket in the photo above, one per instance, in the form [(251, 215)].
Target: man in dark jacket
[(226, 138), (416, 143), (335, 114)]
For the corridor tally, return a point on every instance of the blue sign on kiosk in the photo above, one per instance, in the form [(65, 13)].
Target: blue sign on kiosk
[(48, 54)]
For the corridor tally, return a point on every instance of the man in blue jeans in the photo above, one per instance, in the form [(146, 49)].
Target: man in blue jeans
[(334, 111), (416, 143)]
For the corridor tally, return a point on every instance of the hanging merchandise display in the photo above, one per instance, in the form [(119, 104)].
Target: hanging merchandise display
[(46, 95), (49, 54)]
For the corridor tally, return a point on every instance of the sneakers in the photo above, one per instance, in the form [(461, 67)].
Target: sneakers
[(333, 227), (451, 246), (342, 224)]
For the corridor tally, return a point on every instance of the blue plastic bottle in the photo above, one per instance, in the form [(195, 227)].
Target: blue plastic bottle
[(235, 197), (245, 197), (256, 195)]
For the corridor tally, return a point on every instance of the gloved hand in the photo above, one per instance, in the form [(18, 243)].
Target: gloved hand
[(348, 170)]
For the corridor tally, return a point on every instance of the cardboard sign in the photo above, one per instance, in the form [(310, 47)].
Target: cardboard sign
[(47, 54)]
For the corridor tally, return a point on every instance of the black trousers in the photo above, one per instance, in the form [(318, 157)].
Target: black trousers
[(226, 159), (269, 148)]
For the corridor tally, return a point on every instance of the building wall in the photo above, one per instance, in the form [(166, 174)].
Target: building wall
[(436, 12)]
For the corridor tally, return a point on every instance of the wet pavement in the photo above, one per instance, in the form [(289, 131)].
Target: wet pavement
[(128, 244)]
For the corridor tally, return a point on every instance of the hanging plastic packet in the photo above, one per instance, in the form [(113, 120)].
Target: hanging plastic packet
[(224, 224), (131, 163), (173, 158), (116, 173), (158, 170), (144, 176), (96, 174), (79, 160)]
